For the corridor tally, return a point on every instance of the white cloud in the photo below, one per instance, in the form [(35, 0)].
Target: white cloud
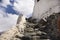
[(5, 3), (8, 21), (24, 6)]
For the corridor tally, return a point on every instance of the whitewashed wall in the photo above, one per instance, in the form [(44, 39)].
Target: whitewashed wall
[(44, 8)]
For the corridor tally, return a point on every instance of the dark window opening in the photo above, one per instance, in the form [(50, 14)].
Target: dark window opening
[(38, 0)]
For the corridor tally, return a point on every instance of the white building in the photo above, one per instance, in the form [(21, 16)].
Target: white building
[(44, 8)]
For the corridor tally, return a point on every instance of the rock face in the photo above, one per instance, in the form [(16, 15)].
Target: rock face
[(44, 8), (52, 27), (47, 30)]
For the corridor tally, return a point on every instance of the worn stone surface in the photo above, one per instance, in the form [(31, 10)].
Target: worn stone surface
[(43, 29)]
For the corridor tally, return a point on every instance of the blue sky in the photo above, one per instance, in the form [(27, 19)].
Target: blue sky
[(10, 9)]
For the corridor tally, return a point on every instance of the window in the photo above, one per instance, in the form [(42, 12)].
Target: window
[(38, 0)]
